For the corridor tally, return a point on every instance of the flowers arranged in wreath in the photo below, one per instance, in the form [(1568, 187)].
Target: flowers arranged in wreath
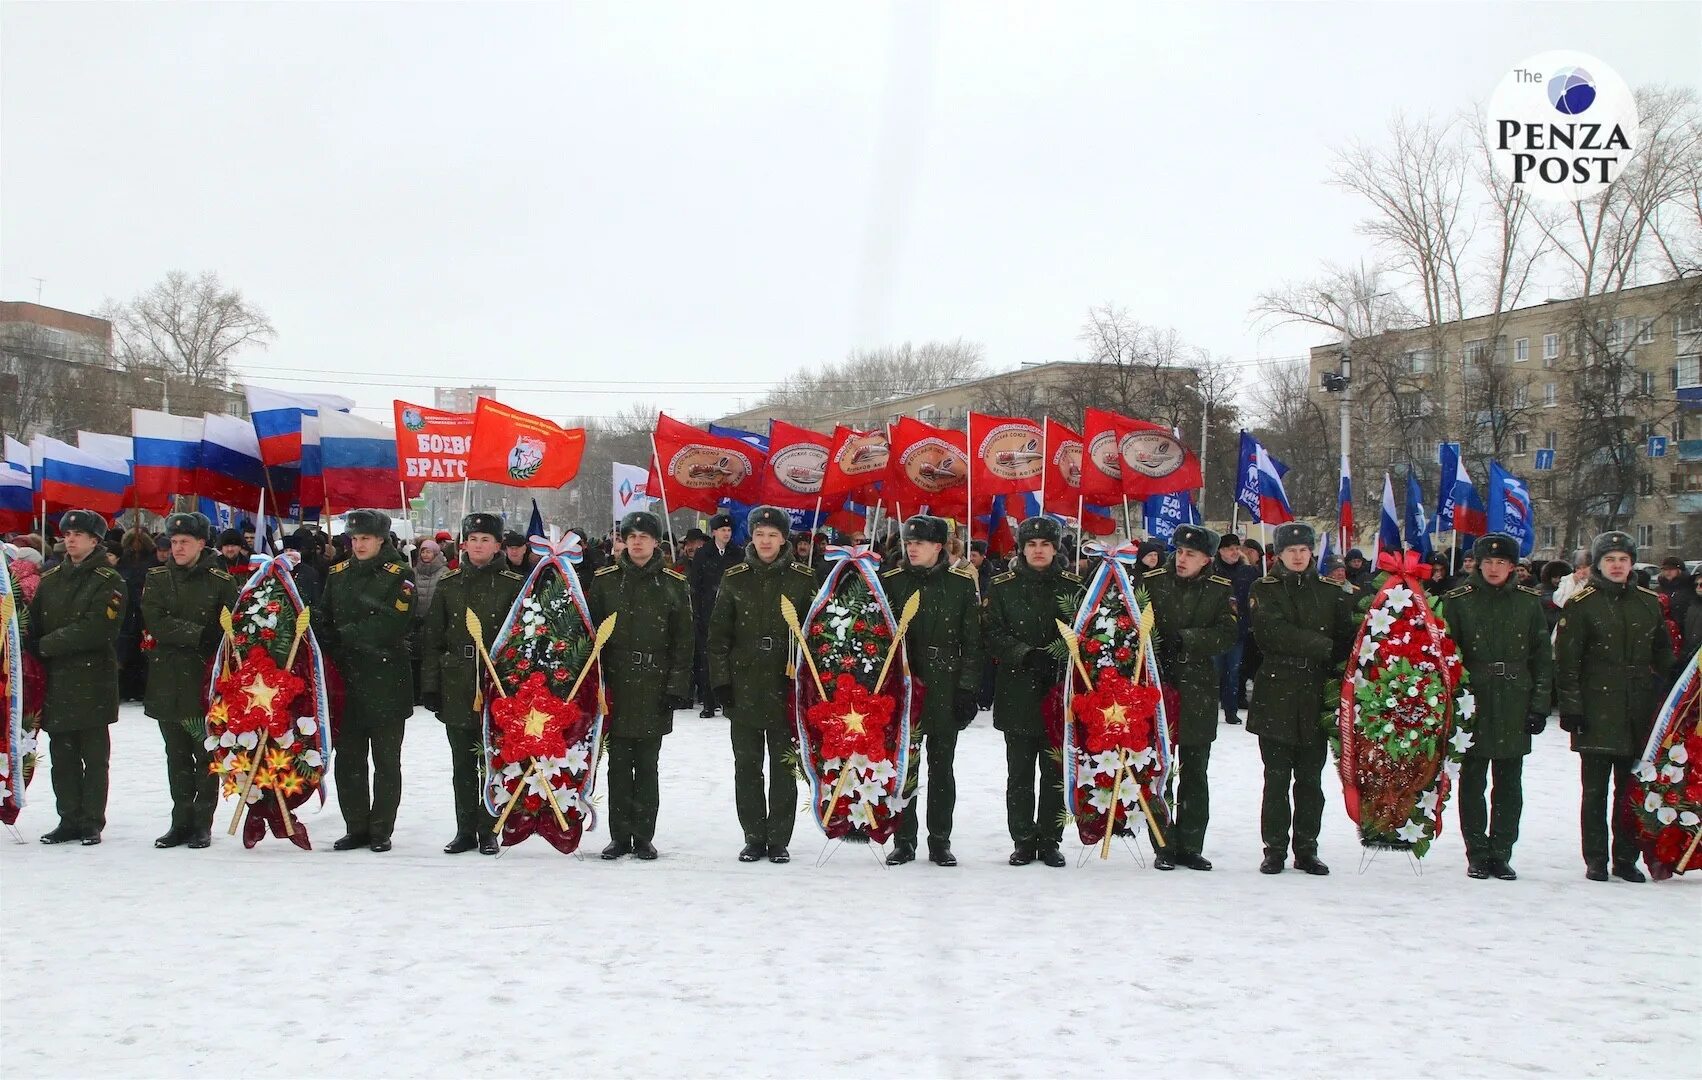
[(1666, 799)]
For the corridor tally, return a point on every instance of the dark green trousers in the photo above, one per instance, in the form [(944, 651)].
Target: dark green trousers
[(1302, 769), (1026, 755), (1595, 814), (80, 761), (370, 813), (942, 791), (1192, 804), (634, 790), (766, 821), (1491, 829), (194, 789), (467, 762)]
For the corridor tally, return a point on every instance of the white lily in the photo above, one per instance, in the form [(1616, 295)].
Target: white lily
[(1100, 799), (1399, 598), (1644, 771), (1428, 800), (862, 813), (1651, 802), (1452, 769), (1688, 819), (1673, 774), (228, 739), (248, 740), (314, 759), (306, 725), (1666, 815), (209, 742), (883, 772), (1379, 623), (1467, 705), (1678, 753), (1367, 649), (576, 759), (1462, 741), (1412, 832)]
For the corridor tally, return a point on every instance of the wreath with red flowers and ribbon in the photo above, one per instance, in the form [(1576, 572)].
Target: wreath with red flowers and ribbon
[(18, 671), (1666, 797)]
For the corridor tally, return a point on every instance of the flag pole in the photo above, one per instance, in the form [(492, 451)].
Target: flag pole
[(1045, 459), (1234, 517), (969, 487), (466, 482), (1128, 522), (815, 523), (662, 487)]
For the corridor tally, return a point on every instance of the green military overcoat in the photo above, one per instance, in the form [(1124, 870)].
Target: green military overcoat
[(180, 612), (748, 639), (1303, 626), (1023, 608), (1612, 654), (74, 623), (1502, 635), (363, 621), (1195, 621), (648, 658), (449, 664), (944, 640)]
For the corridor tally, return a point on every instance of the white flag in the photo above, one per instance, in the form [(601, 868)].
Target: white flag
[(628, 491)]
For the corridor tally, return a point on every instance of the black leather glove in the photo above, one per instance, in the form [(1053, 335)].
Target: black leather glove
[(1573, 722), (964, 708), (1041, 664), (724, 696), (674, 703), (432, 700), (1535, 723)]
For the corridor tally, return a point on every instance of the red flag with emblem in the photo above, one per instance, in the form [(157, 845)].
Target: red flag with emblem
[(518, 449), (696, 470), (1006, 454), (927, 466), (856, 461), (796, 466)]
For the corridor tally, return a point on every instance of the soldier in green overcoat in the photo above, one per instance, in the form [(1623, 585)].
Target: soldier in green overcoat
[(646, 667), (1195, 620), (1024, 605), (1612, 657), (181, 604), (1303, 626), (944, 647), (748, 644), (363, 622), (451, 670), (1502, 634), (73, 627)]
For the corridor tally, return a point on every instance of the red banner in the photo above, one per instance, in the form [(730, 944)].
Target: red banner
[(1063, 448), (521, 450), (1102, 459), (796, 466), (855, 463), (693, 469), (1155, 462), (432, 445), (927, 467), (1006, 455)]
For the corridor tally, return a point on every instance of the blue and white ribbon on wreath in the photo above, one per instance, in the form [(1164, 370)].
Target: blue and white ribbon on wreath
[(1127, 551), (14, 684), (564, 551), (866, 562), (1112, 570), (1668, 715), (281, 567)]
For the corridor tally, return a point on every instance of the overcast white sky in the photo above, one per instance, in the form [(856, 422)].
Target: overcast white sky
[(680, 203)]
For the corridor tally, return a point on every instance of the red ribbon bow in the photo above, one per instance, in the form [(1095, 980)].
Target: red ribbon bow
[(1403, 563)]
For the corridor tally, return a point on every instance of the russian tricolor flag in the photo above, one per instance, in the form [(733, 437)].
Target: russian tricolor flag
[(277, 417), (75, 479), (168, 451), (1389, 523), (358, 463), (17, 501), (1273, 499), (229, 470), (1459, 509), (1344, 505)]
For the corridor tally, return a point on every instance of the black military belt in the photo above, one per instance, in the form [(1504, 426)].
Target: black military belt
[(469, 652), (642, 659), (1503, 670), (933, 652), (1304, 663), (765, 644)]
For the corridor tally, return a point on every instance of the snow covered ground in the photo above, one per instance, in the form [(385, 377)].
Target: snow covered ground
[(126, 961)]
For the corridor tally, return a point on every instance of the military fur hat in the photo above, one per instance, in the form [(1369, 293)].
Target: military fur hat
[(771, 517), (1496, 546), (190, 524), (510, 538), (725, 521), (488, 524), (1294, 533), (231, 536), (83, 521), (695, 533), (367, 523), (927, 527), (1040, 528), (1609, 542), (1195, 538), (642, 521)]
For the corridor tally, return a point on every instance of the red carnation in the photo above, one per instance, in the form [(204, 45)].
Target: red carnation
[(823, 649), (1125, 623), (847, 662), (1670, 844), (871, 648), (881, 630), (1693, 791), (859, 626), (268, 634), (272, 608), (1092, 646), (818, 629), (1671, 797), (240, 639), (1123, 654)]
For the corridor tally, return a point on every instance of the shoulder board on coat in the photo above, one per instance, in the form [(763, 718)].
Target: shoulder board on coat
[(1221, 580), (1000, 579), (609, 569), (894, 570), (1268, 579), (1527, 588), (1350, 588), (1581, 593), (807, 571), (737, 568), (338, 568), (507, 573), (675, 574), (216, 572), (1459, 590), (107, 571), (1154, 572), (447, 574), (54, 569), (392, 568), (966, 572), (1071, 575), (158, 570)]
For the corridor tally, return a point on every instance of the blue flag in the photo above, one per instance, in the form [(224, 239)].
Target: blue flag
[(1417, 535), (1510, 508), (535, 527), (1165, 512), (1388, 521)]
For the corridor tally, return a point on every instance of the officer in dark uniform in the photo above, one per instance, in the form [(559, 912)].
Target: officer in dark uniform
[(363, 621), (1194, 617), (1612, 656), (181, 604), (1502, 635), (748, 645), (1303, 626), (1022, 610), (703, 573), (944, 647), (646, 667), (73, 628), (451, 670)]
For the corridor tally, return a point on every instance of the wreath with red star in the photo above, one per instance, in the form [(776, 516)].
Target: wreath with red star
[(257, 694), (534, 723), (853, 722), (1118, 714)]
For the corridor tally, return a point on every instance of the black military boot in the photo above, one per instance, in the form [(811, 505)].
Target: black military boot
[(707, 713), (172, 838), (1193, 860), (489, 843), (1051, 856), (1595, 871), (1022, 856), (1311, 864), (940, 855), (199, 839), (1625, 871), (1162, 859), (379, 843), (1477, 871), (1272, 863), (62, 834), (617, 849), (350, 842), (752, 852), (464, 841), (901, 854), (90, 839), (779, 854), (644, 849), (1500, 870)]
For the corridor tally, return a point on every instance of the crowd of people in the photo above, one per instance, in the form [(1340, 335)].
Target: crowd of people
[(1242, 604)]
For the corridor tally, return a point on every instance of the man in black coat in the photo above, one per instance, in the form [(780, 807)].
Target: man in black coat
[(1231, 565), (703, 574)]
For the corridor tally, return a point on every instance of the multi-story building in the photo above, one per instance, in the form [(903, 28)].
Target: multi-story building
[(461, 398), (1593, 401)]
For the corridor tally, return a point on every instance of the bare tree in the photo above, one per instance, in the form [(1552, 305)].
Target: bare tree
[(188, 328), (1293, 426), (868, 376)]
